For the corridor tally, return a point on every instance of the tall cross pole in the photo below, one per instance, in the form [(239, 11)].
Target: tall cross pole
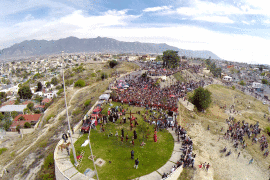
[(72, 145)]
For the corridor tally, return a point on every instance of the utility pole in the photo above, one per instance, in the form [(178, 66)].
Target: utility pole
[(92, 151), (73, 149)]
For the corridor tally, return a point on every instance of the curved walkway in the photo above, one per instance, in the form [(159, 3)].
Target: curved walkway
[(62, 161)]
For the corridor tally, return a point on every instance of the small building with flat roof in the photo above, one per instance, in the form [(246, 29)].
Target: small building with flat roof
[(10, 108)]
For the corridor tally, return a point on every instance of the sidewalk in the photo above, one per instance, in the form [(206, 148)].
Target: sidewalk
[(62, 161), (187, 104)]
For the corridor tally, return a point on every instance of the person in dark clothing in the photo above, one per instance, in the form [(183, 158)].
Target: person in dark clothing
[(135, 134), (126, 138), (136, 163), (65, 137), (132, 154), (123, 132)]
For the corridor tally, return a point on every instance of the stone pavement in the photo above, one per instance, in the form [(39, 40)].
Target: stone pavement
[(156, 175), (66, 170)]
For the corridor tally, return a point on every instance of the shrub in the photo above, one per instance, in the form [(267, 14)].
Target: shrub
[(49, 161), (267, 129), (87, 102), (104, 76), (233, 87), (54, 81), (49, 117), (43, 143), (80, 83), (60, 91), (93, 75), (264, 81), (27, 125), (59, 87), (113, 63), (242, 83), (30, 106), (2, 150), (201, 98), (21, 118), (36, 111)]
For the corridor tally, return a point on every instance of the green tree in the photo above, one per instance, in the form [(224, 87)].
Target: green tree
[(48, 84), (25, 92), (264, 81), (39, 99), (21, 118), (30, 106), (242, 83), (79, 83), (27, 125), (18, 128), (201, 98), (39, 86), (217, 72), (3, 95), (113, 63), (159, 58), (14, 114), (170, 59), (54, 81)]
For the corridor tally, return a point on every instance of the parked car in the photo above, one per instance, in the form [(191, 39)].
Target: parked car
[(96, 112), (86, 126)]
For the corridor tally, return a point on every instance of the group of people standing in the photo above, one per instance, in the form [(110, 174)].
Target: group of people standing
[(145, 92)]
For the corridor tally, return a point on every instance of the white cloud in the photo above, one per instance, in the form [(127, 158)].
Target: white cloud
[(116, 24), (217, 19), (245, 22), (158, 8), (28, 17), (198, 8)]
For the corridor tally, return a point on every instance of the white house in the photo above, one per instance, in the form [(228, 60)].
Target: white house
[(256, 85), (50, 95), (40, 93), (227, 78)]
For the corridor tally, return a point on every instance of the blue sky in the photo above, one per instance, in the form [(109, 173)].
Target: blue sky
[(234, 30)]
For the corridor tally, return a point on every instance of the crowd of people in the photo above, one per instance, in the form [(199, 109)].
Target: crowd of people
[(237, 131), (146, 92), (187, 158)]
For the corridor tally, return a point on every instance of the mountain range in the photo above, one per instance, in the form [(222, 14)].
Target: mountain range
[(99, 44)]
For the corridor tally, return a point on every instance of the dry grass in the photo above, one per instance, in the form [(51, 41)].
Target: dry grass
[(215, 117)]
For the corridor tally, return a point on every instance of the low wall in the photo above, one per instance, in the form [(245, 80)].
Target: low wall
[(175, 175), (27, 131), (59, 175)]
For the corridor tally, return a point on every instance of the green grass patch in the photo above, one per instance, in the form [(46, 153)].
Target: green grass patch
[(2, 150), (49, 117), (152, 156), (178, 76)]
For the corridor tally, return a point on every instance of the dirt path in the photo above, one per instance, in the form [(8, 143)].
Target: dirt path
[(222, 167)]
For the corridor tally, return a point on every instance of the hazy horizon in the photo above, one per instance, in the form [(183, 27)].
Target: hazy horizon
[(234, 31)]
